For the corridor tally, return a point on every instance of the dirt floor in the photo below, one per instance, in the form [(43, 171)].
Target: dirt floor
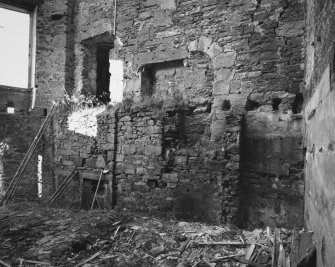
[(32, 235)]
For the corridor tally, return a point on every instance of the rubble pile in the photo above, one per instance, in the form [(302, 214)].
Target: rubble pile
[(32, 235)]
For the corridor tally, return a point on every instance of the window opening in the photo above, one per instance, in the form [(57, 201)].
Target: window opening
[(103, 75), (15, 49), (116, 80)]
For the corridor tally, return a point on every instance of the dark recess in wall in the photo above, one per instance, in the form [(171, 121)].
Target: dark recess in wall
[(103, 75), (297, 103)]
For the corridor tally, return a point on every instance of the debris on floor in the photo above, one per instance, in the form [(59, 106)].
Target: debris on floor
[(33, 235)]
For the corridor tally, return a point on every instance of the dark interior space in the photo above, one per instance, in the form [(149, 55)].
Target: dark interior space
[(103, 75)]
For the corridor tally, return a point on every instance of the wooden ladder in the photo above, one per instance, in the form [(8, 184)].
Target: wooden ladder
[(11, 190)]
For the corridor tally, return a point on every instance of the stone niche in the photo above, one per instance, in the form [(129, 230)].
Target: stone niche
[(95, 74), (163, 80), (176, 76)]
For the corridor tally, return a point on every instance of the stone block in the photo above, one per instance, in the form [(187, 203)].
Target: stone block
[(235, 86), (218, 128), (221, 88), (153, 57), (223, 74), (107, 147), (150, 3), (144, 15), (129, 170), (141, 170), (219, 114), (193, 46), (90, 162), (132, 85), (162, 18), (125, 119), (290, 29), (119, 158), (224, 60), (78, 162), (182, 160), (129, 149), (204, 43), (100, 163), (170, 177), (214, 50), (168, 4), (238, 102), (153, 150), (168, 33)]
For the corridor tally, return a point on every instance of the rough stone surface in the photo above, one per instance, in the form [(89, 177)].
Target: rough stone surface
[(195, 71), (319, 125), (14, 97), (17, 132), (272, 170)]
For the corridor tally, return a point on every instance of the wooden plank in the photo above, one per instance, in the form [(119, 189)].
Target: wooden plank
[(281, 257), (89, 259), (4, 263), (250, 263), (294, 248), (96, 190), (276, 245), (250, 251), (226, 243)]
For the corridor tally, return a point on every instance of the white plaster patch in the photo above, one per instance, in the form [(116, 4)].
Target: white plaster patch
[(84, 121)]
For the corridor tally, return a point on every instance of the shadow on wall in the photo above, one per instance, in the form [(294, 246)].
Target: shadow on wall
[(197, 204), (272, 165)]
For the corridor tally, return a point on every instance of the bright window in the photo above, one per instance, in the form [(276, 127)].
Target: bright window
[(116, 80), (14, 47)]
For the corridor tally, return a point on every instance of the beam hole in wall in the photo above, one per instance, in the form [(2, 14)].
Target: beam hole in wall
[(57, 16), (297, 103), (152, 183), (251, 105), (226, 105), (275, 103)]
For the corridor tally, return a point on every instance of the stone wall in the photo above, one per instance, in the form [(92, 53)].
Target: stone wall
[(52, 20), (255, 52), (78, 144), (20, 99), (256, 47), (319, 128), (204, 68), (198, 76), (92, 25), (272, 170), (17, 132)]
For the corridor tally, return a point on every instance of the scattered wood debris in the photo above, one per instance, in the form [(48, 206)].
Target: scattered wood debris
[(32, 235)]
